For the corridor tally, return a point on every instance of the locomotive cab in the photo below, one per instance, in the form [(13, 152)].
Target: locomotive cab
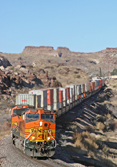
[(33, 131)]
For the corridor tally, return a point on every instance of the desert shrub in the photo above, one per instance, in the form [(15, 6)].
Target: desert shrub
[(84, 141), (100, 126), (113, 126), (90, 129), (114, 72), (78, 76), (89, 143)]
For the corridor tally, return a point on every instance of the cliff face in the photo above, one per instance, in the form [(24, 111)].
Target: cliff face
[(37, 49), (59, 52), (45, 49), (111, 49)]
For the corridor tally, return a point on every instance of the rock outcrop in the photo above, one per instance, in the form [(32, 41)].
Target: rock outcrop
[(37, 49), (63, 49), (22, 76), (4, 62), (111, 49)]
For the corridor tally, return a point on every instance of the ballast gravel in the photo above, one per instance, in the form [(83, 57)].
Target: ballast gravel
[(11, 158)]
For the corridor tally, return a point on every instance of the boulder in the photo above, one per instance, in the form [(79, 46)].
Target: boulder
[(4, 62), (24, 70), (2, 68)]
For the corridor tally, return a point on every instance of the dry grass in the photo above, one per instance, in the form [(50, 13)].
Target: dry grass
[(113, 126), (100, 126), (90, 129), (4, 133), (84, 141)]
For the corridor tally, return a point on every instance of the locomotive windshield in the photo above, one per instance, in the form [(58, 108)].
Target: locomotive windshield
[(47, 116), (32, 117)]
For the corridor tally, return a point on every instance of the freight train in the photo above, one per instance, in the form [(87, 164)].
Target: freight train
[(34, 115)]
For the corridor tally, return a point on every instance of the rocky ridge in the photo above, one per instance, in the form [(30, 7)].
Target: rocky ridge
[(89, 62)]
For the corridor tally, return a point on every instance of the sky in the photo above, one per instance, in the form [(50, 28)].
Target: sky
[(80, 25)]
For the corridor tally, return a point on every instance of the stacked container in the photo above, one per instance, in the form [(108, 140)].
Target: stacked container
[(78, 91), (97, 84), (26, 99), (93, 86), (75, 92), (87, 87), (82, 90), (60, 99), (41, 98), (64, 96), (50, 99), (72, 93), (68, 95), (55, 99)]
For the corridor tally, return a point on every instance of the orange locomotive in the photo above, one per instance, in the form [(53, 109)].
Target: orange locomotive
[(33, 131)]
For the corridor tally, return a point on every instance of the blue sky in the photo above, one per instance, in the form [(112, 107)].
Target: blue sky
[(80, 25)]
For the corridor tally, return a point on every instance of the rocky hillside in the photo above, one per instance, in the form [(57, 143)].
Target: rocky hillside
[(88, 62), (42, 75)]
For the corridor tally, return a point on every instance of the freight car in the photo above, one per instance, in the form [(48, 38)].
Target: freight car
[(33, 117)]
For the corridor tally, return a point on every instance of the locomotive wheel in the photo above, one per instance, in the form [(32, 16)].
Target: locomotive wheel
[(48, 152), (42, 150)]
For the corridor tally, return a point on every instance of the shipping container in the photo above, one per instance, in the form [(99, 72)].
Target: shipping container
[(55, 99), (68, 95), (42, 99), (72, 92), (75, 92), (50, 99), (60, 99), (97, 84), (101, 82), (78, 89), (93, 86), (64, 96), (49, 96), (87, 87), (81, 88), (26, 99), (90, 86)]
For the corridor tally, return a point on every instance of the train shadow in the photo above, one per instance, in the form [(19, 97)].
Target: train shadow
[(79, 119)]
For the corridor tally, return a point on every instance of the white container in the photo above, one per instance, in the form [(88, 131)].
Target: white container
[(86, 87), (72, 92), (26, 99), (55, 95), (81, 88), (50, 107), (55, 99), (75, 92), (42, 99), (64, 96)]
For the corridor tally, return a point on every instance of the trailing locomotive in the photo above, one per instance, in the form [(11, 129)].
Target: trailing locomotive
[(33, 117)]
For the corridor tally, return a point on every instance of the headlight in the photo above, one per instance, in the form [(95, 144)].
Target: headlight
[(33, 137), (48, 138), (41, 123)]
